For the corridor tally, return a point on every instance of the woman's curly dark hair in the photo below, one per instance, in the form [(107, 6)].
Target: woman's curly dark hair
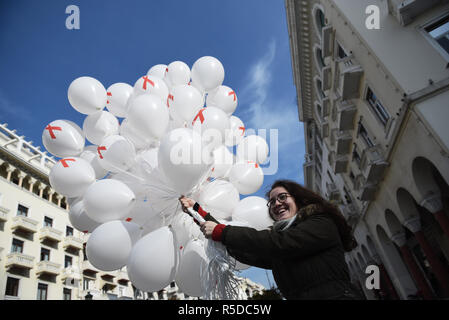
[(304, 197)]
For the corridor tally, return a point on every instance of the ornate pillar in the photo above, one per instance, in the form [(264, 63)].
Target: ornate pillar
[(9, 169), (414, 225), (51, 192), (384, 274), (21, 175), (31, 181), (41, 189), (423, 287), (434, 204), (59, 197)]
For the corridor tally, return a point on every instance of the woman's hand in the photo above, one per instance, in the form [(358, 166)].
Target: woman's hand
[(186, 203), (207, 228)]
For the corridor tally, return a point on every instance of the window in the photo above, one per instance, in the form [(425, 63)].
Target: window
[(12, 287), (356, 156), (67, 261), (17, 246), (172, 284), (341, 53), (438, 31), (85, 284), (45, 254), (48, 222), (379, 110), (68, 231), (67, 294), (22, 210), (365, 136), (42, 290)]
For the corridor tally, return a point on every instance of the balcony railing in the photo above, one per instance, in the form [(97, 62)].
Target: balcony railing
[(406, 11), (345, 113), (342, 140), (373, 164), (367, 190), (347, 78), (339, 163), (334, 193), (51, 234), (70, 273), (73, 242), (48, 267), (16, 259), (24, 223)]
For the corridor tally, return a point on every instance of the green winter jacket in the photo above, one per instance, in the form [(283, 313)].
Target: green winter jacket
[(307, 259)]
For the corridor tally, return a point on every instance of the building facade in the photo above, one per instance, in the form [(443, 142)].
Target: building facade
[(42, 256), (372, 79)]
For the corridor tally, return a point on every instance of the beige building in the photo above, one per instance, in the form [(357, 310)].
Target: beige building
[(41, 253), (372, 79)]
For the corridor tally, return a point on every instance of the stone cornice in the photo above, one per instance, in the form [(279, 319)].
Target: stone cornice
[(298, 22)]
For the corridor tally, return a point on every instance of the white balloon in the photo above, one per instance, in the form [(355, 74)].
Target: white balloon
[(219, 198), (80, 220), (185, 229), (118, 96), (116, 153), (109, 246), (71, 176), (141, 213), (87, 95), (153, 223), (148, 116), (158, 70), (212, 123), (90, 155), (137, 139), (63, 138), (100, 125), (223, 161), (184, 102), (134, 182), (207, 73), (236, 133), (180, 158), (152, 263), (246, 176), (253, 148), (178, 73), (193, 260), (223, 98), (151, 85), (108, 199), (147, 161), (254, 211)]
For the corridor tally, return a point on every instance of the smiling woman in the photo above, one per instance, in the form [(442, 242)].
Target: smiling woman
[(304, 248)]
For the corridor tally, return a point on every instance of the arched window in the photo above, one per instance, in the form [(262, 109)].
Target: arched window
[(319, 19)]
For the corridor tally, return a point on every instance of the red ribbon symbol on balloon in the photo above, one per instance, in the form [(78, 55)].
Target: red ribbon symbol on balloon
[(170, 97), (50, 130), (199, 115), (64, 162), (145, 80), (99, 149), (232, 93), (109, 95)]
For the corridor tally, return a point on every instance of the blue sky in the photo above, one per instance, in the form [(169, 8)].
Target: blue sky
[(118, 41)]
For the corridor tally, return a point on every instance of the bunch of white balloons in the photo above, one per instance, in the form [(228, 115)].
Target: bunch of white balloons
[(175, 138)]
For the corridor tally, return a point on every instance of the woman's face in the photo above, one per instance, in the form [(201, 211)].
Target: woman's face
[(282, 210)]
